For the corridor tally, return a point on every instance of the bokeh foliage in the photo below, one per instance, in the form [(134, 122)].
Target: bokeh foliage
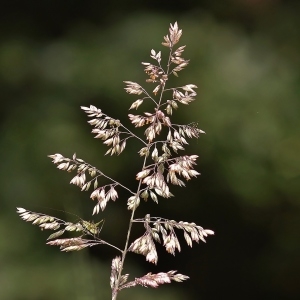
[(245, 60)]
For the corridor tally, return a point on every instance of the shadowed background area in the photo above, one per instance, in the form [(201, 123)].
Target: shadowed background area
[(58, 55)]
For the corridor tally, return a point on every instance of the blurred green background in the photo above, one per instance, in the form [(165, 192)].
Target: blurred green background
[(58, 55)]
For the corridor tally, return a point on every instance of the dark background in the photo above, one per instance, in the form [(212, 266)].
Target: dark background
[(58, 55)]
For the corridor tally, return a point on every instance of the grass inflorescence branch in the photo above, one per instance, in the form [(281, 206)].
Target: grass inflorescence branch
[(162, 167)]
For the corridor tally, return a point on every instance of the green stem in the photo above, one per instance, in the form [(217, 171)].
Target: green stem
[(115, 290)]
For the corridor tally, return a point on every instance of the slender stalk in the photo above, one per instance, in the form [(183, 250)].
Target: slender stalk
[(115, 291)]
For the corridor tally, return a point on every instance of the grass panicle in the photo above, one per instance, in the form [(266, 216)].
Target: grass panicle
[(162, 166)]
